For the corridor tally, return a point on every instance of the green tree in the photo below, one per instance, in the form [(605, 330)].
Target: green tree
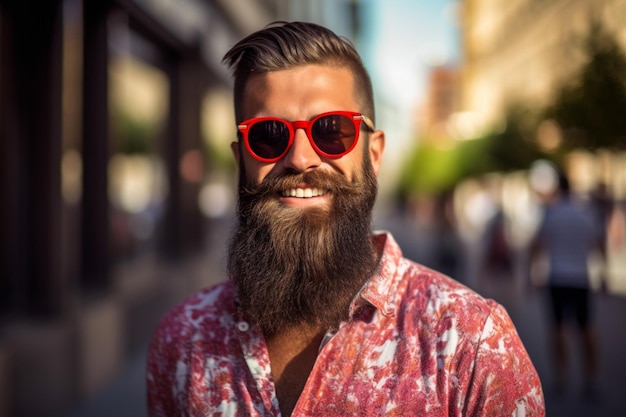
[(431, 169), (514, 147), (592, 109)]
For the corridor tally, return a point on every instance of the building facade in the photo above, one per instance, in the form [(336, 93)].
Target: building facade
[(521, 51)]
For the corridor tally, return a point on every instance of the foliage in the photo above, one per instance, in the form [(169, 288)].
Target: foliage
[(591, 109), (219, 157), (135, 137), (431, 169), (514, 148)]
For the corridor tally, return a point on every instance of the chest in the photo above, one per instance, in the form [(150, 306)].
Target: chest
[(370, 370), (291, 360), (365, 370)]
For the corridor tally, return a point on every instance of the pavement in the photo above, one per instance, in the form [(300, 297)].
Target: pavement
[(125, 395), (529, 317)]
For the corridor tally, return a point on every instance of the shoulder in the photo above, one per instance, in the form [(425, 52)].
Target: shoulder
[(420, 294), (203, 312), (434, 296), (476, 341), (434, 305), (199, 326)]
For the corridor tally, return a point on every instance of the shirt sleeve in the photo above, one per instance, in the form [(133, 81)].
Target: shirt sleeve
[(504, 380), (161, 373)]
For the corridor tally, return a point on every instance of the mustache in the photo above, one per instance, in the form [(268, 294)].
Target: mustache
[(272, 185)]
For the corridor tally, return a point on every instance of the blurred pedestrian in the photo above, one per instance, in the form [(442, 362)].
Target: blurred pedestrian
[(499, 255), (321, 316), (568, 235)]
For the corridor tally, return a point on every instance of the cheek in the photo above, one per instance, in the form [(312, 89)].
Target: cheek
[(254, 172), (350, 165)]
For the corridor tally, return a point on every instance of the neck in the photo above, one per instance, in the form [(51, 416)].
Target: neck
[(292, 355)]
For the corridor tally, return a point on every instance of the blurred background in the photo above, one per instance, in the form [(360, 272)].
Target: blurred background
[(117, 183)]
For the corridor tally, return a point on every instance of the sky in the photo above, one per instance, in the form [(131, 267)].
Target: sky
[(406, 36), (400, 41)]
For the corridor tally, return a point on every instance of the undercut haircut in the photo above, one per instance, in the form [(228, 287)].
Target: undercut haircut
[(286, 45)]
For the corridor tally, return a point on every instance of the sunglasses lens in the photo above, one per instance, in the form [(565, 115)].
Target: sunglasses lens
[(269, 138), (334, 134)]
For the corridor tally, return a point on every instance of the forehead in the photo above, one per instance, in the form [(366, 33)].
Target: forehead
[(303, 89)]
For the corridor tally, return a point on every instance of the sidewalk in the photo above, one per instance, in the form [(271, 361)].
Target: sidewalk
[(123, 397)]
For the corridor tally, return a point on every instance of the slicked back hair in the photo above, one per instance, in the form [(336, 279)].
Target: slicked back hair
[(286, 45)]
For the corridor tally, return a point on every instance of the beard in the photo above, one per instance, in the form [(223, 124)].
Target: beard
[(302, 267)]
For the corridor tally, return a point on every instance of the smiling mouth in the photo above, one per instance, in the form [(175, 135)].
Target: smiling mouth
[(303, 192)]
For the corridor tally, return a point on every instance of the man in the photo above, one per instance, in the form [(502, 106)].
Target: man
[(319, 316), (569, 234)]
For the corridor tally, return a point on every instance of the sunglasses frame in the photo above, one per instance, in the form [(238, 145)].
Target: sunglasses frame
[(245, 126)]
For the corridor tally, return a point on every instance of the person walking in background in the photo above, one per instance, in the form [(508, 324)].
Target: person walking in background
[(320, 316), (568, 235)]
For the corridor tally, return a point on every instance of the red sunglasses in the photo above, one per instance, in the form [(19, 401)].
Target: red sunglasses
[(332, 134)]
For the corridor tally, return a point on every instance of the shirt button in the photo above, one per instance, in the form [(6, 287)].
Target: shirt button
[(243, 326)]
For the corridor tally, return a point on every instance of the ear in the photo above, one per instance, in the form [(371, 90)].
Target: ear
[(234, 147), (376, 149)]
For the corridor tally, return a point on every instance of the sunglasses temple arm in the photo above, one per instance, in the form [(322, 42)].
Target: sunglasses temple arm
[(368, 122)]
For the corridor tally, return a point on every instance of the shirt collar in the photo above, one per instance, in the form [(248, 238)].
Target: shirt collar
[(380, 289)]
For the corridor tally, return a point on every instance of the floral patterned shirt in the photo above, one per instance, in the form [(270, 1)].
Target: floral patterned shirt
[(417, 343)]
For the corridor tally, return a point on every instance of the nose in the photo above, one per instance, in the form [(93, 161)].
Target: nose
[(301, 156)]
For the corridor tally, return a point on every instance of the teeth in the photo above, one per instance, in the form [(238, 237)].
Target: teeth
[(303, 192)]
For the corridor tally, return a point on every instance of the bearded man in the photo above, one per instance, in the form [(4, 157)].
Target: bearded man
[(320, 316)]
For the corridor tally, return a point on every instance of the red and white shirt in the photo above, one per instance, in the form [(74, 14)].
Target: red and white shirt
[(417, 343)]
